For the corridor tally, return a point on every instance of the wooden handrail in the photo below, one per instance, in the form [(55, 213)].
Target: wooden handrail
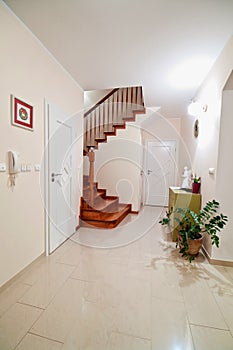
[(100, 102), (110, 114)]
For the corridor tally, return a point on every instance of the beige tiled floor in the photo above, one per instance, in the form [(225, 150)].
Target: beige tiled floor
[(140, 296)]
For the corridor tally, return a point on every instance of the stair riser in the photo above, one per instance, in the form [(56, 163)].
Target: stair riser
[(103, 223), (90, 212)]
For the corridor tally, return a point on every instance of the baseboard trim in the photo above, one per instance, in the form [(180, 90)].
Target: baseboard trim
[(20, 273), (216, 261)]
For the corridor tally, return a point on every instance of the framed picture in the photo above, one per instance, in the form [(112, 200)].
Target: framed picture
[(21, 114)]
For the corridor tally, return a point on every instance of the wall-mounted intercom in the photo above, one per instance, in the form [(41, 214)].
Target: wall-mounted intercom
[(12, 162), (12, 167)]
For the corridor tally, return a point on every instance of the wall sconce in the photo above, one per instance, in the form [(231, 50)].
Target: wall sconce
[(196, 108)]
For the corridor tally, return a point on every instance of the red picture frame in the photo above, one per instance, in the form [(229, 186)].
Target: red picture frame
[(21, 114)]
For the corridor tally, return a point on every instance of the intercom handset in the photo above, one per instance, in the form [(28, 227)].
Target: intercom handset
[(13, 167)]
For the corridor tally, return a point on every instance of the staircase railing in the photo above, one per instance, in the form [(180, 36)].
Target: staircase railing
[(110, 113)]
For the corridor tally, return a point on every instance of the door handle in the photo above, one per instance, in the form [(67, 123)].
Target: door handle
[(53, 175), (149, 171)]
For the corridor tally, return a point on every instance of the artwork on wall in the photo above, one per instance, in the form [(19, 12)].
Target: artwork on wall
[(21, 114)]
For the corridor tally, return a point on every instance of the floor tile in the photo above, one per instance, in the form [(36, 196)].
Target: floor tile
[(34, 342), (91, 329), (166, 282), (58, 318), (11, 295), (133, 316), (218, 279), (229, 271), (170, 327), (15, 323), (210, 338), (94, 269), (225, 303), (72, 256), (200, 303), (126, 342), (47, 285)]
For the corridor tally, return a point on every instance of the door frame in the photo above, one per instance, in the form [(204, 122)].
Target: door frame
[(45, 178), (159, 142), (46, 175)]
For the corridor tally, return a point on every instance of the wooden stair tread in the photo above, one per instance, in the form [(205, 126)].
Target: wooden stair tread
[(106, 211), (105, 205), (110, 220)]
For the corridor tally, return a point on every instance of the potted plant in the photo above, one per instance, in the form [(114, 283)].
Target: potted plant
[(192, 227), (196, 184)]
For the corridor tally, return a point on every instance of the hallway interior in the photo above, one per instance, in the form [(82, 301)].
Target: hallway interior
[(125, 288)]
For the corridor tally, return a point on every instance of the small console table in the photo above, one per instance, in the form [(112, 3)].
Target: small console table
[(181, 198)]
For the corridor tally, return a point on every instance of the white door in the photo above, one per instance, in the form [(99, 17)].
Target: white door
[(160, 171), (61, 220)]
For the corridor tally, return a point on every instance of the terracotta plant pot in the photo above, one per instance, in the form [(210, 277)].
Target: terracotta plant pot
[(196, 186), (194, 245)]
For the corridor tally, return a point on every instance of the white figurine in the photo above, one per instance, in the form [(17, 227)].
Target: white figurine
[(186, 178)]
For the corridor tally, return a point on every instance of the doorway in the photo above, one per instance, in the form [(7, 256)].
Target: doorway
[(160, 171), (60, 177)]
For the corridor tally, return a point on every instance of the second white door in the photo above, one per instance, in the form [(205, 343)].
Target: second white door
[(160, 171)]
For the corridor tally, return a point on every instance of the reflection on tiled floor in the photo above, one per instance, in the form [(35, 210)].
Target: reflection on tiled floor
[(136, 296)]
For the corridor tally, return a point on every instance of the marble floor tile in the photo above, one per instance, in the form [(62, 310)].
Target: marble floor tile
[(165, 281), (170, 327), (94, 269), (47, 285), (36, 272), (59, 316), (210, 338), (218, 279), (34, 342), (225, 303), (15, 323), (72, 256), (229, 271), (200, 303), (11, 295), (133, 315), (126, 342), (91, 329)]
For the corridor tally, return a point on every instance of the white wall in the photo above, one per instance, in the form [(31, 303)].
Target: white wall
[(30, 73), (204, 149), (158, 128), (93, 96), (224, 189), (119, 161), (118, 165)]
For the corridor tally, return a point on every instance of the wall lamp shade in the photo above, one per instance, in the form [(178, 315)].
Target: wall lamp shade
[(196, 108)]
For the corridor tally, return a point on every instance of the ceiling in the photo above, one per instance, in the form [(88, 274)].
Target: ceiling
[(167, 46)]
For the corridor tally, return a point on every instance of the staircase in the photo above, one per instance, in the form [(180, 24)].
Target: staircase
[(105, 212), (103, 120)]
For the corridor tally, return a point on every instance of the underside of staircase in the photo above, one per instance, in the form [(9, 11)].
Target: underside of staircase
[(106, 211), (104, 119)]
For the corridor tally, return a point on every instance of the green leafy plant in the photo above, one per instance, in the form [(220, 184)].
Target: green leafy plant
[(196, 179), (192, 225)]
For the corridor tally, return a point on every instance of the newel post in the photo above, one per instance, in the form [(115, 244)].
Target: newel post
[(91, 156)]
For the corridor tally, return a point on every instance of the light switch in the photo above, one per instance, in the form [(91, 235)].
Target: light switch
[(23, 168), (211, 171), (2, 167), (37, 167)]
